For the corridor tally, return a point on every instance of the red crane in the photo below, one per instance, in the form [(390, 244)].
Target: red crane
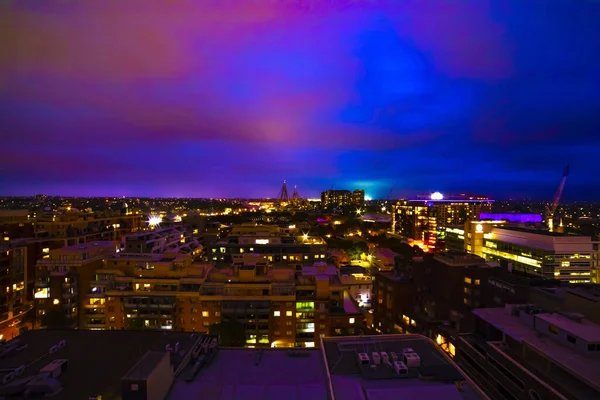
[(552, 209)]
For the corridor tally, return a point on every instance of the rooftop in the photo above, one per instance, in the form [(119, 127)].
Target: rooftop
[(97, 360), (435, 378), (245, 374), (587, 368), (533, 231), (103, 244), (585, 329)]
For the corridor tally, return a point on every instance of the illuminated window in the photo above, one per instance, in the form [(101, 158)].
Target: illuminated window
[(351, 320), (477, 282), (288, 313), (289, 333), (467, 280), (565, 264), (276, 313), (205, 313), (217, 314)]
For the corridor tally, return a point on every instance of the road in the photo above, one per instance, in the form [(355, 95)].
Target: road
[(7, 331)]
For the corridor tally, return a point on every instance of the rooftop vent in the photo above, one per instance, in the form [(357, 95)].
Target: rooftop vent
[(400, 368), (363, 359), (412, 360)]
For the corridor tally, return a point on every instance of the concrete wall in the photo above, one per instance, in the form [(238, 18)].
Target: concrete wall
[(160, 380)]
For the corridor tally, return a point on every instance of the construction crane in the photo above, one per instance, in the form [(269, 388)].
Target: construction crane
[(552, 209)]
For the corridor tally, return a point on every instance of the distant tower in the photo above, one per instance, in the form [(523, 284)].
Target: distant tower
[(283, 193), (295, 196)]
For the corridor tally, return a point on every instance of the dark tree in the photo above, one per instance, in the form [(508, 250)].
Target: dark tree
[(230, 333), (135, 323), (56, 320)]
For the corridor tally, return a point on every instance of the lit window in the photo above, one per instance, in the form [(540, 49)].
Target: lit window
[(477, 282), (288, 313), (276, 313), (351, 320), (205, 313), (467, 280), (289, 333)]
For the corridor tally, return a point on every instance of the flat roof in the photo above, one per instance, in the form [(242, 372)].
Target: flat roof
[(97, 360), (434, 379), (587, 368), (585, 329), (107, 244), (144, 367), (249, 374)]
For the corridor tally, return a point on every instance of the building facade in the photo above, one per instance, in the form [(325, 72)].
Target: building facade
[(543, 254), (342, 198), (423, 222), (62, 281)]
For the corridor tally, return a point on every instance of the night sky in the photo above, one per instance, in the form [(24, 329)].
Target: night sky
[(141, 98)]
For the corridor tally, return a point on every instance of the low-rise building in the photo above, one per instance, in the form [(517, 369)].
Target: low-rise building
[(543, 254), (520, 352), (384, 259)]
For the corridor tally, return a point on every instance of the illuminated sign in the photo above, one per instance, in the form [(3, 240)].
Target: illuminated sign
[(262, 241), (479, 228)]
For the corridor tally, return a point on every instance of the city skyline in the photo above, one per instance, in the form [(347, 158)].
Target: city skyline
[(173, 100)]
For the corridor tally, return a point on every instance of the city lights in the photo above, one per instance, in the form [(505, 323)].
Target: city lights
[(437, 196), (154, 221)]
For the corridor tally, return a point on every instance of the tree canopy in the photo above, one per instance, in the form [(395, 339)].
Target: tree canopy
[(231, 333), (56, 320)]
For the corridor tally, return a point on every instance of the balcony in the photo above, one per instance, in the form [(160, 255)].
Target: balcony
[(94, 311), (95, 304)]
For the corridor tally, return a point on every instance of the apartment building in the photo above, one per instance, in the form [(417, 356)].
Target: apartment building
[(13, 279), (62, 280), (146, 291), (342, 198), (359, 284), (276, 304), (15, 224), (276, 247), (430, 292), (75, 227), (173, 239)]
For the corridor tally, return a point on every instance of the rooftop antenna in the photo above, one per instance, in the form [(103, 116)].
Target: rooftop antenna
[(295, 196), (283, 193)]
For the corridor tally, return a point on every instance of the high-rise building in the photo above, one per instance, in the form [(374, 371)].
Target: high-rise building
[(423, 221), (342, 198)]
